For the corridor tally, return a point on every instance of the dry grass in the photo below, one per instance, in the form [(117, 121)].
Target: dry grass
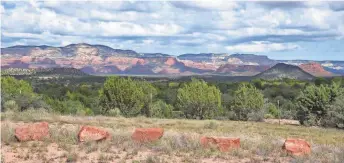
[(260, 142)]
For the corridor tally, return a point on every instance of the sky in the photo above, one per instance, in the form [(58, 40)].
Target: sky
[(280, 30)]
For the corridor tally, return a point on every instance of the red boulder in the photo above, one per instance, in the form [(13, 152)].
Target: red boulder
[(32, 131), (90, 133), (147, 134), (297, 147), (222, 143)]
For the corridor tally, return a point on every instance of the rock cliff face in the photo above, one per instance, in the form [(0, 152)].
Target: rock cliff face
[(100, 59), (315, 69)]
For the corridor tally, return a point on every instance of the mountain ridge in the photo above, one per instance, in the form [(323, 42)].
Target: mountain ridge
[(102, 59)]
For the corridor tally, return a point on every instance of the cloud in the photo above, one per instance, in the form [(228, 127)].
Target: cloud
[(173, 26), (282, 4), (258, 47), (205, 5)]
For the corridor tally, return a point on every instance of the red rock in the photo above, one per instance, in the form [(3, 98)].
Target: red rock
[(222, 143), (90, 133), (147, 134), (297, 147), (32, 131), (315, 69)]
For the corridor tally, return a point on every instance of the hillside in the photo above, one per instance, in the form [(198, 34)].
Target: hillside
[(281, 70)]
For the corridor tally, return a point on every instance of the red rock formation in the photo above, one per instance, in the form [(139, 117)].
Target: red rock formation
[(170, 61), (315, 69), (90, 133), (297, 147), (123, 60), (26, 59), (198, 65), (223, 144), (32, 131), (147, 134), (228, 68)]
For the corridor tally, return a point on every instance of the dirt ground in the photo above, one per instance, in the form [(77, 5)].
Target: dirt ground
[(260, 142)]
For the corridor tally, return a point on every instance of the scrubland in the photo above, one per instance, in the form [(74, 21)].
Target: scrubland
[(260, 141)]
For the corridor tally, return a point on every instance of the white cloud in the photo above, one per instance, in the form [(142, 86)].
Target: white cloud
[(171, 25), (207, 5), (258, 47)]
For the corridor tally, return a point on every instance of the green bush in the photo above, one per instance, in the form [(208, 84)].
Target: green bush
[(256, 115), (335, 115), (247, 101), (160, 109), (315, 103), (198, 100), (114, 112), (129, 96), (272, 110), (11, 105)]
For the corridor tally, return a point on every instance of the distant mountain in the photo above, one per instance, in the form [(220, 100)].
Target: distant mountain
[(315, 69), (281, 70), (153, 55), (71, 50), (101, 59), (241, 70), (251, 58)]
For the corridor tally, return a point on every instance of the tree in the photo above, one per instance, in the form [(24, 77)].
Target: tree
[(21, 93), (149, 95), (199, 100), (247, 99), (335, 114), (14, 87), (314, 102), (122, 93)]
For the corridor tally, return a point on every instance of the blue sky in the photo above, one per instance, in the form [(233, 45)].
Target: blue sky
[(280, 30)]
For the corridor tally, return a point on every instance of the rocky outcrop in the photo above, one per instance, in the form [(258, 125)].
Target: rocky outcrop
[(91, 133), (222, 143), (32, 131), (231, 68), (147, 134), (297, 147), (315, 69)]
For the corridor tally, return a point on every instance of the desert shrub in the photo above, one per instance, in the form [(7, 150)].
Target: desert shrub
[(231, 115), (272, 110), (129, 96), (248, 101), (288, 110), (7, 133), (256, 115), (178, 114), (315, 103), (198, 100), (11, 105), (160, 109), (211, 125), (335, 114), (150, 95), (114, 112)]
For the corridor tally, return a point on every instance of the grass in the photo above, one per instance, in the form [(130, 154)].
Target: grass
[(259, 141)]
